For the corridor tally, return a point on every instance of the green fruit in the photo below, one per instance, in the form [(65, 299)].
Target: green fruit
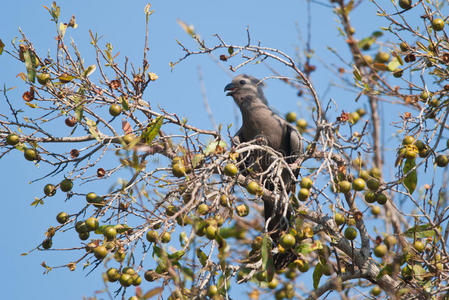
[(375, 210), (113, 274), (212, 290), (408, 140), (273, 284), (83, 235), (128, 270), (303, 194), (380, 250), (381, 198), (110, 233), (301, 124), (115, 110), (437, 24), (354, 117), (66, 185), (100, 252), (303, 266), (171, 210), (376, 173), (364, 174), (407, 272), (306, 183), (405, 4), (420, 145), (290, 117), (91, 224), (179, 170), (257, 243), (211, 232), (150, 275), (339, 219), (91, 197), (166, 237), (419, 246), (350, 233), (327, 269), (434, 102), (287, 240), (62, 217), (398, 73), (230, 170), (129, 138), (390, 241), (410, 154), (50, 190), (344, 186), (152, 236), (137, 280), (361, 111), (80, 227), (126, 280), (203, 209), (12, 139), (30, 154), (370, 197), (47, 243), (119, 255), (368, 59), (358, 184), (404, 46), (424, 95), (43, 78), (242, 210), (373, 184), (261, 276), (442, 160), (253, 188), (291, 274), (375, 291), (382, 57)]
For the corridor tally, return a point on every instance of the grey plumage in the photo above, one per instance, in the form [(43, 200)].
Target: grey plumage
[(260, 122)]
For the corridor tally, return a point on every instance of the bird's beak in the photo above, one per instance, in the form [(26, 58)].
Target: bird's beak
[(230, 87)]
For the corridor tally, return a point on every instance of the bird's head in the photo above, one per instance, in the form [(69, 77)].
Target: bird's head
[(243, 85)]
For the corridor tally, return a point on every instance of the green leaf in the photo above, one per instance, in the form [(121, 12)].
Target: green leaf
[(62, 28), (306, 248), (2, 46), (79, 113), (317, 273), (267, 258), (393, 64), (150, 132), (422, 231), (356, 73), (215, 146), (32, 105), (230, 50), (153, 292), (419, 272), (93, 129), (158, 251), (412, 179), (124, 102), (90, 69), (31, 70)]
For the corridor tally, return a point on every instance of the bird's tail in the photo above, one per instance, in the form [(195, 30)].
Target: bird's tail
[(276, 224)]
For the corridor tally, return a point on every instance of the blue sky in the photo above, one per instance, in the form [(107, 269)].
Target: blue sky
[(122, 24)]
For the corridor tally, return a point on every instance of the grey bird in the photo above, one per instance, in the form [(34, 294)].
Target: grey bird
[(259, 122)]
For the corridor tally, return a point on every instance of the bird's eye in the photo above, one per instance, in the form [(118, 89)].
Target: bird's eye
[(242, 82)]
